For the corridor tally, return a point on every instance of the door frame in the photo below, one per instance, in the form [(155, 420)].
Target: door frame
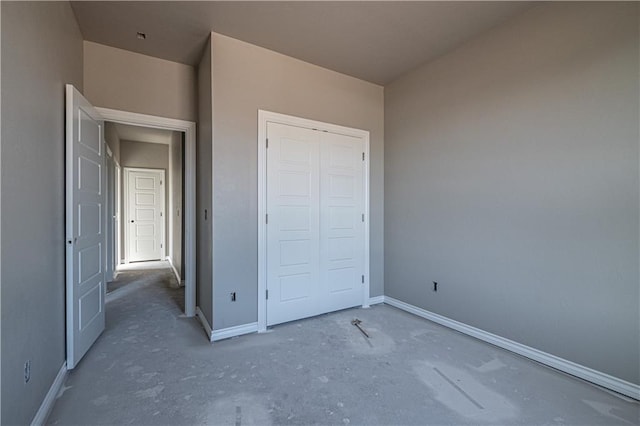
[(189, 176), (118, 225), (110, 267), (265, 117), (125, 199)]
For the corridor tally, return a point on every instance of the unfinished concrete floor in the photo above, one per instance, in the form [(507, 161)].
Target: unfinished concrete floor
[(154, 366)]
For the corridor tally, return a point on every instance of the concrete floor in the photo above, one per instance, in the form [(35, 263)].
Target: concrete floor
[(154, 366), (136, 272)]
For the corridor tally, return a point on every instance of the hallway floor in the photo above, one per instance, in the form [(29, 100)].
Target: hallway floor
[(153, 366)]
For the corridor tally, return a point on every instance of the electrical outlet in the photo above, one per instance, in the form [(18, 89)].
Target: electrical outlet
[(233, 296), (27, 371), (435, 286)]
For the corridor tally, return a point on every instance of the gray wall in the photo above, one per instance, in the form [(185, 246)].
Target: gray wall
[(128, 81), (146, 156), (204, 285), (41, 51), (247, 78), (511, 178), (176, 214)]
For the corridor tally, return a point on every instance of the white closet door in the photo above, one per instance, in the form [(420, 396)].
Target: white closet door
[(293, 227), (341, 221), (315, 231)]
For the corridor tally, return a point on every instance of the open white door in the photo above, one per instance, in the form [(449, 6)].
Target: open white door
[(85, 227)]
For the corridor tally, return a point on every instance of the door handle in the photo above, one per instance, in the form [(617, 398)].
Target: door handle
[(132, 221)]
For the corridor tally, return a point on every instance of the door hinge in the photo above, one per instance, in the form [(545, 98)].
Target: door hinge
[(160, 182), (363, 217), (160, 214), (363, 156), (266, 218), (160, 245), (363, 279), (267, 294), (267, 143)]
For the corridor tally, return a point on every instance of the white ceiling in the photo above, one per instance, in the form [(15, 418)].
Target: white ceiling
[(143, 134), (371, 40)]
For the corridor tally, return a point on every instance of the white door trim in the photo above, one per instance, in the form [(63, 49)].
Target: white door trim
[(189, 173), (171, 209), (265, 117), (163, 224), (118, 223), (110, 269)]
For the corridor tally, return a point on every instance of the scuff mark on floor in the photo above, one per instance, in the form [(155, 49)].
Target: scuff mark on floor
[(242, 409), (62, 390), (462, 393), (493, 365), (150, 392), (102, 400), (608, 410)]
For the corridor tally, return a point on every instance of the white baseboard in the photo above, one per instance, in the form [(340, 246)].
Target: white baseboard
[(570, 367), (205, 323), (175, 271), (50, 398), (238, 330), (376, 300)]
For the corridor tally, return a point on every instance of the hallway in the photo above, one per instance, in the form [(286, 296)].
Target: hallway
[(154, 366)]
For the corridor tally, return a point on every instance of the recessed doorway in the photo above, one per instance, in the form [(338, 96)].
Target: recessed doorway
[(150, 142)]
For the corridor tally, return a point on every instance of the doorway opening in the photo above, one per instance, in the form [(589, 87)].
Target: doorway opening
[(150, 199), (145, 206)]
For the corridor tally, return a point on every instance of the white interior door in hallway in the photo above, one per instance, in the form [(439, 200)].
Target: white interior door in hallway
[(85, 225), (145, 214), (315, 227)]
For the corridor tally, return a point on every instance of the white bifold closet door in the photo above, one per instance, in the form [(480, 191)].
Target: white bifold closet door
[(315, 228)]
